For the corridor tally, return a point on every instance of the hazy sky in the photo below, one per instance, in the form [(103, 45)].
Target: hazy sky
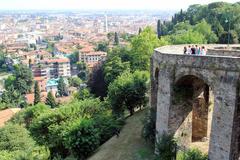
[(101, 4)]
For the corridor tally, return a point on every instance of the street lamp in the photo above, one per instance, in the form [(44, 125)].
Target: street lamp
[(228, 21)]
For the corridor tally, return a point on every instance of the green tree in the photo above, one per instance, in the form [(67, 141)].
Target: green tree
[(74, 57), (37, 97), (12, 97), (3, 57), (205, 29), (82, 66), (14, 137), (96, 82), (74, 81), (62, 91), (143, 46), (113, 68), (59, 129), (21, 80), (102, 46), (82, 146), (128, 91), (140, 30), (83, 70), (188, 38), (50, 100), (82, 94), (233, 38), (116, 38), (29, 114)]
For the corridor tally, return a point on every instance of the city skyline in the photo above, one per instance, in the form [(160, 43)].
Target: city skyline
[(100, 5)]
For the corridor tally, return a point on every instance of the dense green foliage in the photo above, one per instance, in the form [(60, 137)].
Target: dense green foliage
[(128, 91), (212, 21), (26, 116), (113, 68), (3, 57), (17, 85), (74, 57), (192, 154), (97, 83), (142, 47), (50, 100), (102, 46), (62, 90), (83, 70), (82, 94), (15, 137), (74, 81), (166, 147), (59, 128), (17, 144), (21, 80), (12, 98)]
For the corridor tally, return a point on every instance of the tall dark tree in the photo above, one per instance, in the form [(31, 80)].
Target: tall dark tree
[(140, 30), (181, 16), (96, 82), (37, 97), (116, 39), (159, 31), (50, 100), (61, 87)]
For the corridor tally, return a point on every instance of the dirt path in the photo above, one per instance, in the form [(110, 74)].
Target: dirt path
[(129, 145)]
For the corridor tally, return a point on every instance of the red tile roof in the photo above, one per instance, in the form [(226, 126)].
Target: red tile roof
[(7, 114)]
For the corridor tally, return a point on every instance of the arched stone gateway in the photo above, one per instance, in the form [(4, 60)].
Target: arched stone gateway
[(197, 99)]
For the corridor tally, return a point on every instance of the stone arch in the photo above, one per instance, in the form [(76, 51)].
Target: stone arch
[(195, 74), (189, 113)]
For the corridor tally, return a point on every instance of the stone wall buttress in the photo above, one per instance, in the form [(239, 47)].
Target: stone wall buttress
[(163, 101), (222, 122)]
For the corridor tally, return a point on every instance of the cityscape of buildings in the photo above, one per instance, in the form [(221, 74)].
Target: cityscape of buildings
[(45, 41)]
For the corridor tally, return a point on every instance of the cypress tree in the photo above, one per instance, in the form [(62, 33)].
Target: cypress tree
[(37, 97), (140, 30), (159, 29), (50, 100), (181, 16), (61, 87), (116, 39)]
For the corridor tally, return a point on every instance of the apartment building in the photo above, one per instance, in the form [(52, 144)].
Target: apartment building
[(59, 67), (92, 58), (52, 68)]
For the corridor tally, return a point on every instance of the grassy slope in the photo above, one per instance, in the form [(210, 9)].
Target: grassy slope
[(129, 145)]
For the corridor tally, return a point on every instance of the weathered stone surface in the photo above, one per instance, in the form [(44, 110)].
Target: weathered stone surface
[(221, 74)]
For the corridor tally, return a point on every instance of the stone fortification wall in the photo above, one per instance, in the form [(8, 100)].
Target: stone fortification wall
[(221, 73)]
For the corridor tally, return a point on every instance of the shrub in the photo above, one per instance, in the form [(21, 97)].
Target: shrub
[(192, 154), (14, 137), (26, 115), (166, 147), (81, 137), (5, 155), (107, 126), (16, 144), (74, 128)]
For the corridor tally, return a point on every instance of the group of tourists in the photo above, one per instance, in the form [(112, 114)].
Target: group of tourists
[(195, 50)]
